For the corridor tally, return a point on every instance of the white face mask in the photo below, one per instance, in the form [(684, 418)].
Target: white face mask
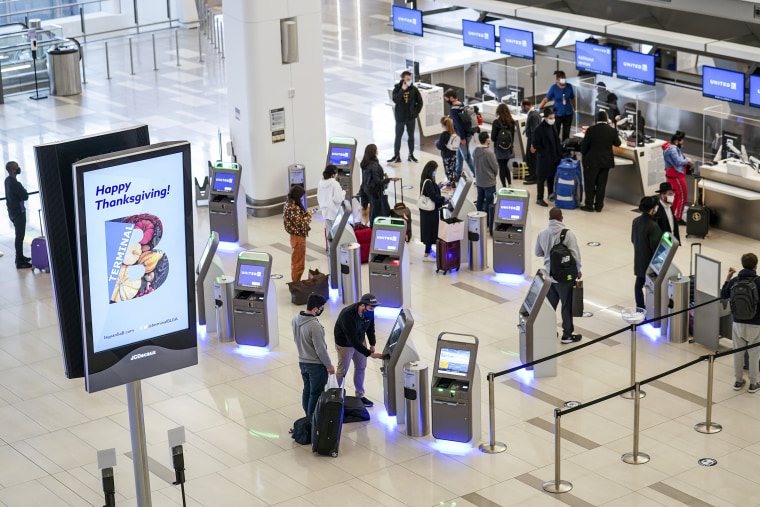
[(550, 121), (562, 81), (670, 198), (408, 82)]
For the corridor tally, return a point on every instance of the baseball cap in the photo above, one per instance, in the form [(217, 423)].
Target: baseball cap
[(315, 301), (369, 299)]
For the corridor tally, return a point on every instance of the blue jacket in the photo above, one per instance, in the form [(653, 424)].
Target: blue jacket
[(674, 158), (455, 113), (725, 293)]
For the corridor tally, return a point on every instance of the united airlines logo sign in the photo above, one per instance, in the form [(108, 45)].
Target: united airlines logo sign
[(723, 84), (643, 67), (480, 35)]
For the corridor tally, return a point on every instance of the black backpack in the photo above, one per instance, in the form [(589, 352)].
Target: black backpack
[(562, 265), (504, 139), (301, 431), (744, 298), (469, 119)]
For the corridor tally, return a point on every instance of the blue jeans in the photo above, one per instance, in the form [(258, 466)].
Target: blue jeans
[(485, 198), (463, 154), (314, 379)]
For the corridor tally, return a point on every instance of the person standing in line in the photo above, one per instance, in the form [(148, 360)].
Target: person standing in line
[(486, 171), (503, 138), (598, 158), (354, 322), (676, 167), (296, 221), (563, 95), (329, 196), (531, 122), (445, 140), (743, 292), (645, 236), (313, 358), (547, 147), (664, 214), (15, 197), (374, 182), (561, 289), (407, 102), (463, 129), (429, 218)]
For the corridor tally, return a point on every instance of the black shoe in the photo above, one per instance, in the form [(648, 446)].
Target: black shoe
[(27, 259), (394, 160), (366, 402), (586, 208), (412, 159), (23, 265), (598, 210), (541, 202), (571, 339), (530, 181)]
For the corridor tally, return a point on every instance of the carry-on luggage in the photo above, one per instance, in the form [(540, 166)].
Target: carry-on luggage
[(301, 430), (40, 260), (317, 283), (400, 210), (354, 410), (519, 170), (447, 256), (327, 423), (568, 184), (698, 216), (364, 238)]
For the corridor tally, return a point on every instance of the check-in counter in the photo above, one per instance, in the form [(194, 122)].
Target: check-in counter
[(732, 194)]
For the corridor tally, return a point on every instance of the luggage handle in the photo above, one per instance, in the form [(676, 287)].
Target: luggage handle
[(395, 191)]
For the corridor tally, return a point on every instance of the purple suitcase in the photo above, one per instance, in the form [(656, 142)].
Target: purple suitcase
[(40, 258)]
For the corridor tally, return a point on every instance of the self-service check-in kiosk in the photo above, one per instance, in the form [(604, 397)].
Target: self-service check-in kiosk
[(341, 152), (389, 263), (297, 176), (510, 237), (209, 267), (255, 301), (537, 323), (659, 271), (455, 389), (226, 208), (398, 351), (341, 233)]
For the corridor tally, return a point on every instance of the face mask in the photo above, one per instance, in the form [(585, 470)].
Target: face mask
[(408, 82), (433, 175), (563, 81), (319, 312), (670, 198), (369, 309), (550, 121)]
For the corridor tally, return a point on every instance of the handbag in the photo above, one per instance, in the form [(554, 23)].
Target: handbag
[(578, 299), (425, 203)]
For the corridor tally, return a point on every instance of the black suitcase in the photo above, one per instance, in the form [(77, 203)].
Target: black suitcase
[(447, 256), (400, 210), (698, 216), (327, 423), (354, 410)]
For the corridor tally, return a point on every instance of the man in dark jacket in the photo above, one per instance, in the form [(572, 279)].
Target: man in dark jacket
[(546, 145), (664, 214), (598, 158), (407, 104), (354, 322), (645, 235), (15, 196), (456, 112), (745, 332), (531, 122)]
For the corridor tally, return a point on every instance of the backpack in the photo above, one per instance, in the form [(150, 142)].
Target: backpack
[(744, 298), (504, 139), (562, 265), (454, 142), (301, 431), (469, 120)]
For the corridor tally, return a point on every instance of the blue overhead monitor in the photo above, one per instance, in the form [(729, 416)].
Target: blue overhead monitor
[(723, 84), (407, 21), (754, 91), (479, 35), (516, 42), (635, 66), (593, 58)]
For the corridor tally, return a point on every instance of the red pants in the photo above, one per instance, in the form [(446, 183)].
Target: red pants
[(678, 182)]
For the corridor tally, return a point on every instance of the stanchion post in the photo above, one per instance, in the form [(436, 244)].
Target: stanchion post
[(636, 457), (200, 47), (557, 485), (176, 42), (708, 426), (493, 447), (131, 58), (155, 60), (108, 63), (84, 70), (629, 394)]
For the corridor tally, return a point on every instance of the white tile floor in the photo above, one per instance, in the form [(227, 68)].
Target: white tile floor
[(237, 408)]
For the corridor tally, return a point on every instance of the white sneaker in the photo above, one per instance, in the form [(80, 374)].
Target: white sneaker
[(428, 258)]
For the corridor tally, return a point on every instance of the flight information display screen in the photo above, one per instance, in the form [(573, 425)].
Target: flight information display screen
[(635, 66), (723, 84), (516, 42), (407, 21), (454, 362), (593, 58), (479, 35)]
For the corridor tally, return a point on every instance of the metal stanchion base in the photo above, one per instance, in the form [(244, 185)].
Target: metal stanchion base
[(496, 448), (635, 459), (628, 395), (38, 97), (703, 427), (553, 487)]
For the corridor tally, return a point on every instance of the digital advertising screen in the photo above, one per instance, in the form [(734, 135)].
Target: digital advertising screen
[(723, 84), (635, 66), (454, 362), (593, 58), (754, 91), (224, 182), (340, 156), (510, 210), (251, 275), (516, 42), (407, 21), (134, 222), (479, 35)]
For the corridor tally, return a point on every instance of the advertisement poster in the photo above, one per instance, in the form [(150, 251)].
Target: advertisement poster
[(136, 251)]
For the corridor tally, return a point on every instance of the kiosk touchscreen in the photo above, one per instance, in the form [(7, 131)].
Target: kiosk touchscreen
[(460, 206), (255, 301), (510, 238), (341, 232), (209, 267), (455, 389), (660, 269), (537, 323), (398, 351), (341, 152), (389, 263), (227, 213)]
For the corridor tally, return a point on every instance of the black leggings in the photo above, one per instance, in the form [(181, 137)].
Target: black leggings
[(505, 175)]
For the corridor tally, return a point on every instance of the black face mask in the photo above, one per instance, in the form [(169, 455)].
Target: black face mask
[(320, 311)]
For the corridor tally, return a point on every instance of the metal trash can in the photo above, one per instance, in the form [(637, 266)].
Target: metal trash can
[(223, 293), (350, 272), (63, 70), (477, 234), (416, 399), (678, 299)]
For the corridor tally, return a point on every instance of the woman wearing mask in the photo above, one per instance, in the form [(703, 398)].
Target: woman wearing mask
[(329, 196), (563, 95), (296, 220), (447, 140), (374, 182), (502, 138), (429, 218)]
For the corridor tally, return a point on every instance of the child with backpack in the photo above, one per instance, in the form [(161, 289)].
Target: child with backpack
[(743, 292), (448, 143)]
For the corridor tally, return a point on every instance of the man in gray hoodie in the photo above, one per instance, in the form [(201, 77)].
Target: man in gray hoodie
[(313, 358), (486, 171), (561, 290)]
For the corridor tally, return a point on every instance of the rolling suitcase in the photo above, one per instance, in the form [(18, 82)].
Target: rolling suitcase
[(568, 184), (400, 210), (364, 238), (40, 260), (327, 423), (447, 256), (698, 217)]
